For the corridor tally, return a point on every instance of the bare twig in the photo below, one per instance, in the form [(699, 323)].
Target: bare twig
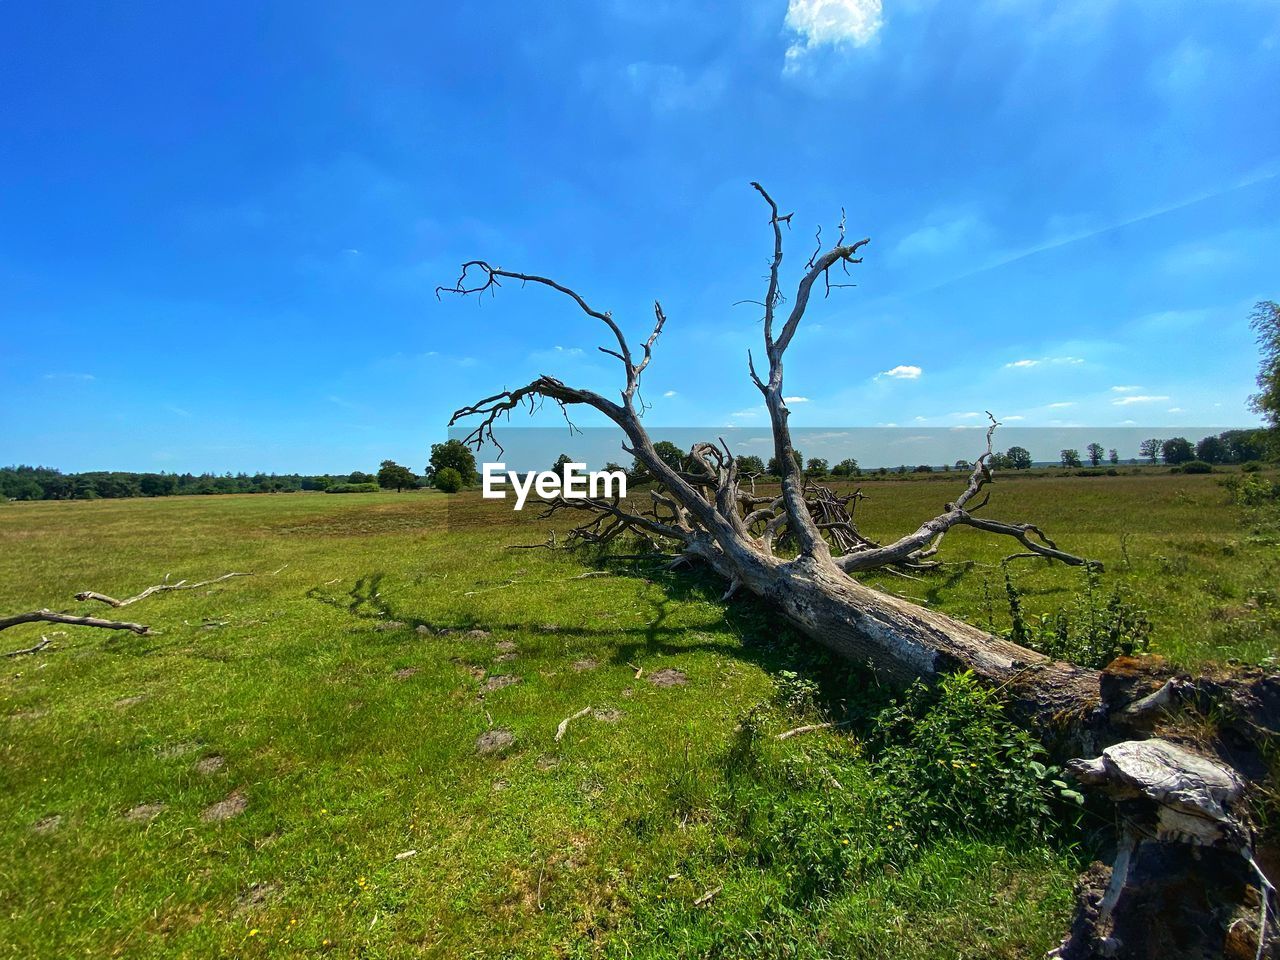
[(158, 588), (44, 642), (810, 728), (564, 724), (707, 897)]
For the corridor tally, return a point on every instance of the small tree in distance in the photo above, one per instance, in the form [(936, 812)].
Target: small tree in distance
[(1070, 457), (1177, 450), (817, 466), (1150, 450), (455, 454), (1094, 450), (1019, 458), (847, 468), (667, 452), (391, 474), (1113, 456)]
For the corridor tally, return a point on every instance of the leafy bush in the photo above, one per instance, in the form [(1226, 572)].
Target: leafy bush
[(448, 480), (1250, 490), (962, 766), (1197, 466), (826, 811), (353, 488), (1251, 466), (1091, 631)]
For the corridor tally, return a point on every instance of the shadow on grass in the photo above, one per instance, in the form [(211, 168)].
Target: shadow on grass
[(750, 631)]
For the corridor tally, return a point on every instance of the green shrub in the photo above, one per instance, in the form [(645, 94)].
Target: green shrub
[(1197, 466), (1250, 489), (353, 488), (823, 813), (960, 765), (448, 480), (1251, 466), (1090, 631)]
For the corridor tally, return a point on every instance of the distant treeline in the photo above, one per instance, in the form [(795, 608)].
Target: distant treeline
[(46, 483)]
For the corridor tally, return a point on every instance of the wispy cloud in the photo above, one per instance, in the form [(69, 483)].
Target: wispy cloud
[(1137, 398), (830, 23), (178, 411), (903, 371), (1025, 364), (1061, 404), (670, 393), (944, 234), (1125, 388), (795, 399), (69, 376)]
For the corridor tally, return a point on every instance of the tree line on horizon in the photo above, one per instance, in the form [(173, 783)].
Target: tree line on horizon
[(452, 467)]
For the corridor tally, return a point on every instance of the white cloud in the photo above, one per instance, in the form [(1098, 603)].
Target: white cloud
[(555, 353), (669, 393), (971, 415), (833, 23), (747, 414), (1061, 404), (1125, 389), (1011, 419), (1023, 364), (69, 376), (1137, 398), (1176, 410), (795, 399), (902, 371)]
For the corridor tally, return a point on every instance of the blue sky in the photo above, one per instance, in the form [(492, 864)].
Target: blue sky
[(221, 225)]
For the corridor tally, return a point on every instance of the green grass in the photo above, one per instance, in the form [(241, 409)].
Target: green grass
[(596, 845)]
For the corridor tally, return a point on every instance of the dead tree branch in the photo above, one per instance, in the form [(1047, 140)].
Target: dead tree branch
[(52, 616), (158, 588)]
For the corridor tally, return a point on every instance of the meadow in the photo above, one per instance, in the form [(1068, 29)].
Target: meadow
[(354, 753)]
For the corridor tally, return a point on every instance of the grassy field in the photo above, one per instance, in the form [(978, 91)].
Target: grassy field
[(290, 766)]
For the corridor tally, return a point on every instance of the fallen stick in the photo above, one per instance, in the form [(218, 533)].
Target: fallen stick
[(564, 724), (810, 728), (52, 616), (707, 897), (44, 642), (158, 588)]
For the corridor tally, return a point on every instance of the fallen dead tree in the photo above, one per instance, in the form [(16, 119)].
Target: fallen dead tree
[(800, 550)]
